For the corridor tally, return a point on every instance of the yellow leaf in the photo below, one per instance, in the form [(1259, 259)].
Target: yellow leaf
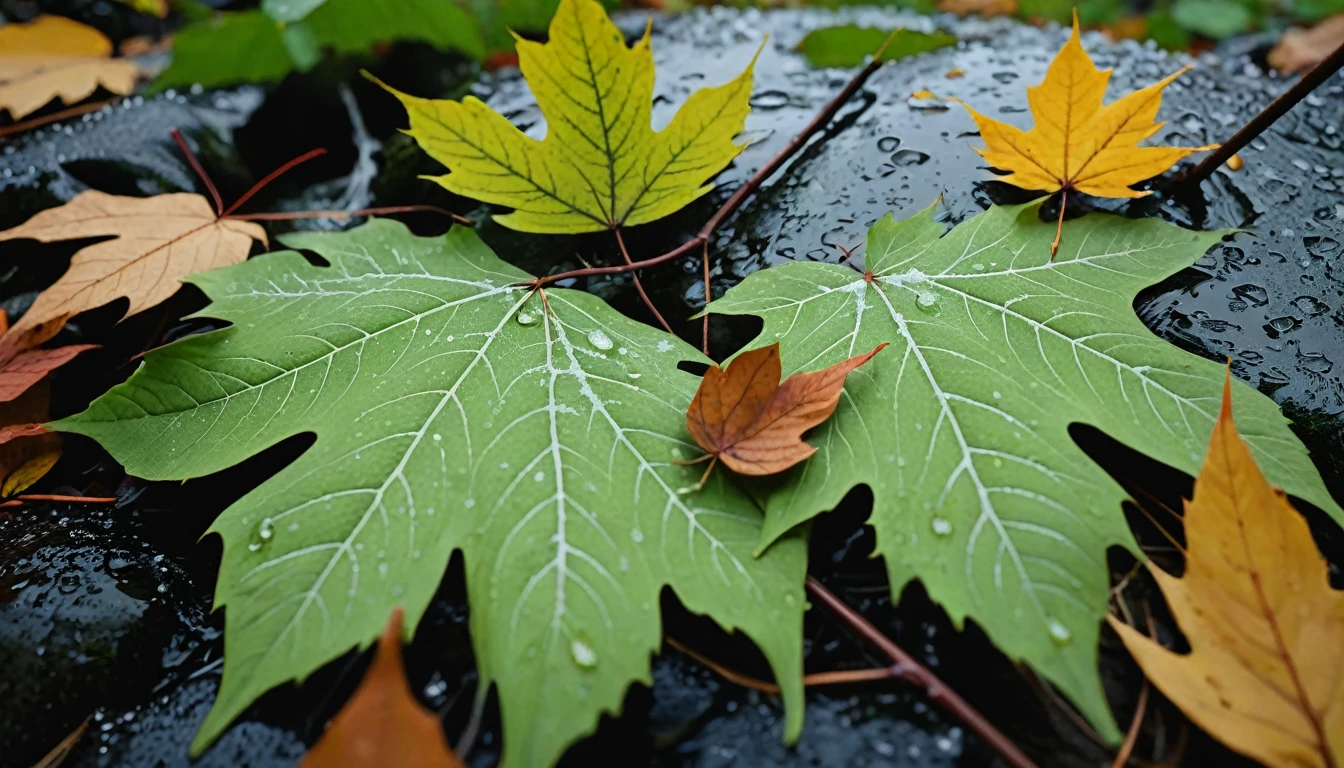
[(1076, 143), (52, 57), (157, 241), (157, 8), (30, 472), (601, 165), (1265, 674)]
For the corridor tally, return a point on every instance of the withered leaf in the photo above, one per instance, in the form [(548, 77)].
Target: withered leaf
[(158, 240), (382, 724), (55, 57), (754, 424), (27, 449), (1264, 672)]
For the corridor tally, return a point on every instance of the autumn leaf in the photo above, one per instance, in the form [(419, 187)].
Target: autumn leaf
[(1301, 49), (158, 241), (744, 417), (382, 724), (55, 57), (601, 165), (27, 449), (1077, 143), (1264, 673)]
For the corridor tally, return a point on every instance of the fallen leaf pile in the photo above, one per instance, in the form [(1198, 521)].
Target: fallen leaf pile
[(1265, 674), (382, 724), (157, 241), (55, 57), (744, 417), (1076, 142), (601, 165)]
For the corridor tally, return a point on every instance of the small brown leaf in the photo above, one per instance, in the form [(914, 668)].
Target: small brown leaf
[(383, 724), (1302, 49), (55, 57), (23, 440), (158, 241), (755, 425)]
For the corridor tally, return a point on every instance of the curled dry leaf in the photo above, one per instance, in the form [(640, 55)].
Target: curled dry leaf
[(1077, 143), (1302, 49), (158, 241), (383, 724), (1264, 672), (746, 418), (55, 57)]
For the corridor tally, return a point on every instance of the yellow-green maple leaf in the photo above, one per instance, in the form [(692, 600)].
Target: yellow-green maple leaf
[(601, 165)]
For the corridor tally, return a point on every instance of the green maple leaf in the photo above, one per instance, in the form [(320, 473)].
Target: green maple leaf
[(960, 429), (452, 411), (601, 165)]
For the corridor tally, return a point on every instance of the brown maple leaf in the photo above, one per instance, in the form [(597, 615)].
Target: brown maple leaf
[(21, 370), (158, 240), (744, 417), (382, 724), (55, 57)]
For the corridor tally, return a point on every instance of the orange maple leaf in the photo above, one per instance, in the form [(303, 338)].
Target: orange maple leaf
[(382, 724), (1264, 674), (53, 57), (744, 417)]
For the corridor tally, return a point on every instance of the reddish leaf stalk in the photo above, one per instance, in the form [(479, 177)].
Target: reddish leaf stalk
[(83, 109), (1276, 109), (822, 119), (272, 176), (639, 287), (200, 171), (907, 668), (838, 677), (704, 331), (26, 498)]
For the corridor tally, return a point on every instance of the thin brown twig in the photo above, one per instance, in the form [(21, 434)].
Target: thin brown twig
[(822, 119), (295, 215), (639, 287), (199, 169), (10, 130), (28, 498), (704, 328), (1276, 109), (838, 677), (907, 668)]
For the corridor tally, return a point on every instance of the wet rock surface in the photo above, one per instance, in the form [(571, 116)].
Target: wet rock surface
[(143, 663)]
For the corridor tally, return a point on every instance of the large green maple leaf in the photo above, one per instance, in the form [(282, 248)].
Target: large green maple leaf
[(452, 411), (601, 164), (961, 428)]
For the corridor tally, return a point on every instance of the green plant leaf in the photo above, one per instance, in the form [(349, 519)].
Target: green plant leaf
[(961, 427), (1212, 18), (850, 45), (601, 164), (452, 412), (255, 46)]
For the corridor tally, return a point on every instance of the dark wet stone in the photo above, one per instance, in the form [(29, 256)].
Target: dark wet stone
[(90, 614)]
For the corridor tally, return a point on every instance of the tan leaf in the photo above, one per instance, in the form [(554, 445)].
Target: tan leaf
[(158, 241), (1265, 674), (753, 424), (984, 8), (382, 724), (30, 366), (55, 57), (1301, 49)]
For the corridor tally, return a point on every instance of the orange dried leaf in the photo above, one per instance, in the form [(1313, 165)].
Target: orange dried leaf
[(754, 424), (158, 241), (1077, 143), (382, 724), (23, 440), (1265, 672), (55, 57), (985, 9), (23, 370)]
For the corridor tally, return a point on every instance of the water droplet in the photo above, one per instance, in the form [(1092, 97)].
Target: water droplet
[(926, 299), (600, 340), (942, 526), (262, 536), (582, 654), (905, 157), (888, 144), (1059, 634), (527, 317), (636, 535)]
